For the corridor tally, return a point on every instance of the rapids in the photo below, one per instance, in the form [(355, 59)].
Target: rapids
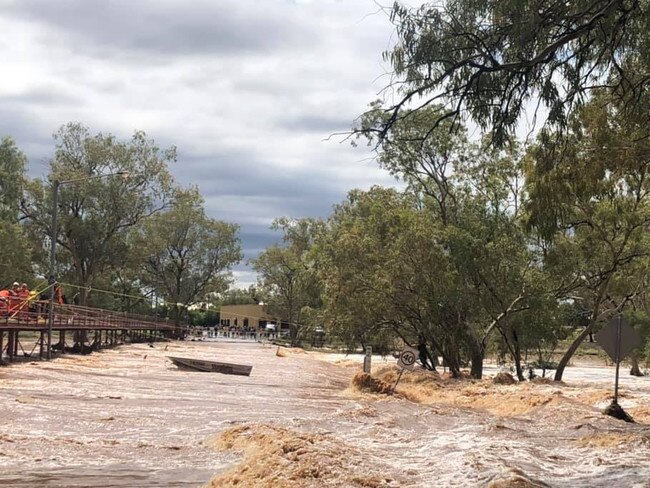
[(127, 417)]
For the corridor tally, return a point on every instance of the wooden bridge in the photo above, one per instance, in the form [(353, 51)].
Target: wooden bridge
[(75, 329)]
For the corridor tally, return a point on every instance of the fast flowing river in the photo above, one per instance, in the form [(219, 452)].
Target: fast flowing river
[(127, 417)]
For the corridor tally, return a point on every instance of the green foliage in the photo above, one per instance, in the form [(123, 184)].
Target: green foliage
[(287, 279), (237, 296), (206, 317), (490, 60), (15, 248), (95, 213), (359, 257), (589, 201), (185, 255), (470, 197), (15, 255), (12, 169)]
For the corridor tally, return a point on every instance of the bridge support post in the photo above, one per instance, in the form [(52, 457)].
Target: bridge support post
[(2, 340), (42, 343), (10, 345), (62, 340)]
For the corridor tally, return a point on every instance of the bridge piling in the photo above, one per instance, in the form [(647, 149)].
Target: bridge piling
[(10, 345)]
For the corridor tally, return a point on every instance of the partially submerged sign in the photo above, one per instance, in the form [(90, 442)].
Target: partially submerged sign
[(407, 358), (607, 337), (618, 339)]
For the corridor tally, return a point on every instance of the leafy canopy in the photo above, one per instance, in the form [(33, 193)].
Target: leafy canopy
[(491, 60)]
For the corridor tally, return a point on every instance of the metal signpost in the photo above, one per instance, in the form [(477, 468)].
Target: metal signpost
[(618, 339), (406, 360)]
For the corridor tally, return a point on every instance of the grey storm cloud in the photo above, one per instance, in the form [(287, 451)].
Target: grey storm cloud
[(319, 124), (25, 127), (159, 28), (248, 90), (42, 96), (233, 184), (242, 189)]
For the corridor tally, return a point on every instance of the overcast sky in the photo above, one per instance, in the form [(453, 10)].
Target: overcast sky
[(247, 90)]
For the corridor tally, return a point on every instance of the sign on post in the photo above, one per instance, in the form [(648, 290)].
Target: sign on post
[(407, 358), (618, 339), (607, 337)]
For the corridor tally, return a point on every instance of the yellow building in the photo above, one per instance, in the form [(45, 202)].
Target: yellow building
[(245, 316)]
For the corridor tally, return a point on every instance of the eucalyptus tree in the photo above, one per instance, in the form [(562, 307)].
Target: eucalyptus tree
[(15, 249), (493, 60), (632, 289), (287, 278), (96, 213), (638, 315), (384, 275), (186, 256), (237, 296), (474, 195), (12, 174), (589, 199)]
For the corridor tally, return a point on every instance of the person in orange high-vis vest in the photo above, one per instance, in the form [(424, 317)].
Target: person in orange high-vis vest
[(4, 302), (24, 294), (14, 298), (59, 295)]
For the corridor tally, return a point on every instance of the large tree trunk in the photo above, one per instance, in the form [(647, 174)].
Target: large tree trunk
[(635, 370), (178, 328), (516, 356), (581, 337), (454, 370), (477, 355), (452, 360), (293, 334), (571, 351)]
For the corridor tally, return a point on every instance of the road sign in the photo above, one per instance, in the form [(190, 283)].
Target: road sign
[(407, 358), (607, 337), (618, 339)]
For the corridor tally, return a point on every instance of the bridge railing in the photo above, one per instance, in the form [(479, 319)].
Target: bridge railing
[(68, 316)]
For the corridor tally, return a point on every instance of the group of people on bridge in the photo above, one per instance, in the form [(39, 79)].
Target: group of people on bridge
[(15, 300), (18, 301)]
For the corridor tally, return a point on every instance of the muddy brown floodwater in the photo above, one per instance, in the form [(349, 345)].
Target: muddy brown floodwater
[(127, 417)]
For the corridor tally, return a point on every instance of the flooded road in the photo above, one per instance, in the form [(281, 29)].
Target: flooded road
[(127, 417)]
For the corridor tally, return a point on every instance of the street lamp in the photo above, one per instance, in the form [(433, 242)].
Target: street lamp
[(55, 210)]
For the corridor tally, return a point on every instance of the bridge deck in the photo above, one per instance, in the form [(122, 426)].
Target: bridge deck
[(110, 328)]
